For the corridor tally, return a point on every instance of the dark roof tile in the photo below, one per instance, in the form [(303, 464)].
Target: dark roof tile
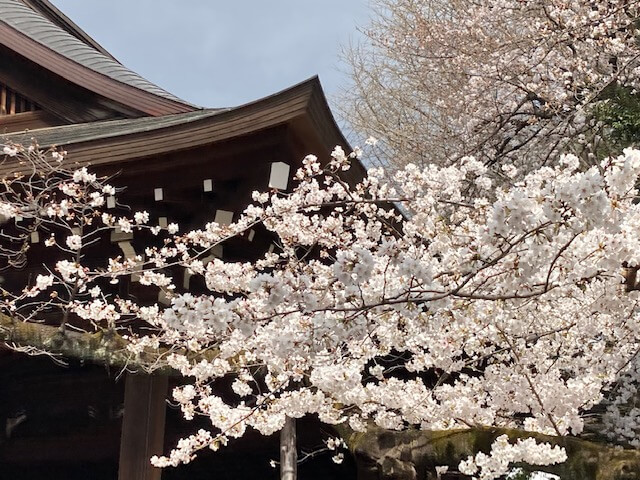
[(39, 28), (84, 132)]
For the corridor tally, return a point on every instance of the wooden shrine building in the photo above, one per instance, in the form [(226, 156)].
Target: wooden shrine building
[(183, 164)]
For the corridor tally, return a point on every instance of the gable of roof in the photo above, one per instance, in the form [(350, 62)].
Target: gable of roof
[(29, 31)]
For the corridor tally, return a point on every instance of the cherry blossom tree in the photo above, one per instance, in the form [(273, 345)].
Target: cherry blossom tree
[(490, 325), (508, 81), (474, 315)]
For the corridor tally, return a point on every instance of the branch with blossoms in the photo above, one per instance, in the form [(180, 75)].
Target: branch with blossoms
[(512, 314), (54, 219), (512, 82)]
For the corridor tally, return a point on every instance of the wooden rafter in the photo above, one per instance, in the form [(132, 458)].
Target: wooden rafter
[(11, 102)]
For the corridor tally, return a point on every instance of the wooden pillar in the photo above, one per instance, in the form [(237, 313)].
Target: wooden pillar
[(142, 426), (12, 103), (3, 100)]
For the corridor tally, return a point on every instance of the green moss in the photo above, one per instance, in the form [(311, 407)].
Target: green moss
[(423, 450)]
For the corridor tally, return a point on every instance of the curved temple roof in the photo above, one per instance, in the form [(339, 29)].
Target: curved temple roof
[(302, 106), (33, 23)]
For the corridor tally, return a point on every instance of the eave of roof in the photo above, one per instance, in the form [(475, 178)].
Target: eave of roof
[(67, 135), (32, 35), (172, 132), (111, 142)]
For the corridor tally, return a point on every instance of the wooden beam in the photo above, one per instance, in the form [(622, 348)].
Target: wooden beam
[(142, 426), (27, 121), (101, 348)]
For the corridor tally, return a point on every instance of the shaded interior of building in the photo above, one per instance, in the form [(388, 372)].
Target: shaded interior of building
[(64, 422)]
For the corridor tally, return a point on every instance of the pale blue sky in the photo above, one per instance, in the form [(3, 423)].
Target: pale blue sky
[(218, 53)]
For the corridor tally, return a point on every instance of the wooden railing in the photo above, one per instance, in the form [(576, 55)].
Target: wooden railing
[(12, 102)]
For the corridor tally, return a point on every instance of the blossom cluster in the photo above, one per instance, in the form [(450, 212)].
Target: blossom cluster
[(509, 311)]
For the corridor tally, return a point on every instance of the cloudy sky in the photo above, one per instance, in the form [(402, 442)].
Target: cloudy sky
[(218, 53)]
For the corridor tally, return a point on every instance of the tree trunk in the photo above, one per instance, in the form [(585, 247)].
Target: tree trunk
[(288, 451)]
